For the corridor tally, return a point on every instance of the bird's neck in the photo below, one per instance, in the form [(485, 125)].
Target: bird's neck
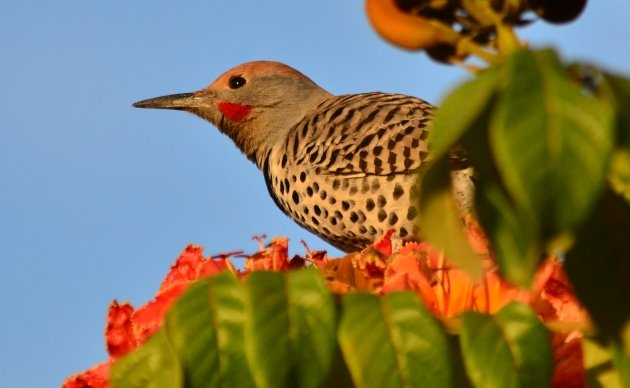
[(268, 127)]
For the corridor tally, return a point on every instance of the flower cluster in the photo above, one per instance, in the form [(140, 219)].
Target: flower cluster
[(446, 291)]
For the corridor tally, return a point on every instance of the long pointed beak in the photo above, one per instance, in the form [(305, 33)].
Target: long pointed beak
[(182, 101)]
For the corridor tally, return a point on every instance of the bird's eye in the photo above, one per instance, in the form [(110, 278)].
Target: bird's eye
[(236, 82)]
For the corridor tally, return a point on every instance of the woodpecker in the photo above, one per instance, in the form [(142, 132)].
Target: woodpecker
[(343, 167)]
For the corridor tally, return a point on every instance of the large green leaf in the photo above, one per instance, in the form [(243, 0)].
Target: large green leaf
[(461, 110), (552, 142), (458, 115), (393, 342), (206, 330), (599, 264), (272, 330), (312, 327), (510, 349), (441, 219), (619, 97), (621, 355), (267, 328), (603, 366), (514, 235)]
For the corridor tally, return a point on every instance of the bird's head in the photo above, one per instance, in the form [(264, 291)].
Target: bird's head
[(255, 103)]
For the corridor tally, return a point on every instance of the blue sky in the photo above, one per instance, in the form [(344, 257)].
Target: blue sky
[(98, 198)]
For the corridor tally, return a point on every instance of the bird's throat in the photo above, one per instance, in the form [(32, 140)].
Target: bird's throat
[(233, 111)]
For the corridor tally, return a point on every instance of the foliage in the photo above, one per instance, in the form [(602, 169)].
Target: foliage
[(550, 146)]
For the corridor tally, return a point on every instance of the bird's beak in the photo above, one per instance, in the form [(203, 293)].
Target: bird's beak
[(182, 101)]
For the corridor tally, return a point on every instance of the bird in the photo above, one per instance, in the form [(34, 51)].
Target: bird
[(345, 167)]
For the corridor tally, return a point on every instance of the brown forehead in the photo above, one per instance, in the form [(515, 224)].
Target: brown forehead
[(254, 69)]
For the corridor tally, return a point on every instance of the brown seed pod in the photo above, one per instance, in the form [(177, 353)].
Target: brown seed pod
[(444, 53), (558, 11)]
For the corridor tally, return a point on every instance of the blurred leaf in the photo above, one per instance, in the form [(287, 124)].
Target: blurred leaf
[(598, 365), (153, 364), (460, 112), (272, 330), (393, 342), (621, 355), (457, 116), (619, 97), (619, 173), (438, 210), (620, 87), (510, 349), (549, 138), (599, 264), (515, 237)]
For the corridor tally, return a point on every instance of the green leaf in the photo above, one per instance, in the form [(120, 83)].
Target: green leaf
[(510, 349), (206, 328), (620, 99), (619, 173), (290, 330), (458, 115), (515, 236), (272, 330), (598, 365), (393, 342), (460, 112), (617, 92), (266, 329), (154, 364), (549, 138), (621, 355), (445, 228), (599, 264), (313, 329)]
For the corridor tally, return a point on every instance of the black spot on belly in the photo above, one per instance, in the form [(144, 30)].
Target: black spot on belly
[(398, 191), (411, 213)]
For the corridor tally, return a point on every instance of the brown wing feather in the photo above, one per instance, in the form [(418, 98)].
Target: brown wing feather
[(364, 134)]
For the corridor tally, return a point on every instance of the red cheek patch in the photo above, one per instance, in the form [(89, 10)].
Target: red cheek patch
[(234, 112)]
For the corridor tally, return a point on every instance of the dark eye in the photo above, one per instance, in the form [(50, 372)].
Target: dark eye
[(236, 82)]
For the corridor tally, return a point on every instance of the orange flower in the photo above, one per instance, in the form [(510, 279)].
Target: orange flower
[(274, 258), (446, 291), (128, 328)]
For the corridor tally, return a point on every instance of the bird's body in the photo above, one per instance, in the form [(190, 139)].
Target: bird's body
[(343, 167), (346, 171)]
